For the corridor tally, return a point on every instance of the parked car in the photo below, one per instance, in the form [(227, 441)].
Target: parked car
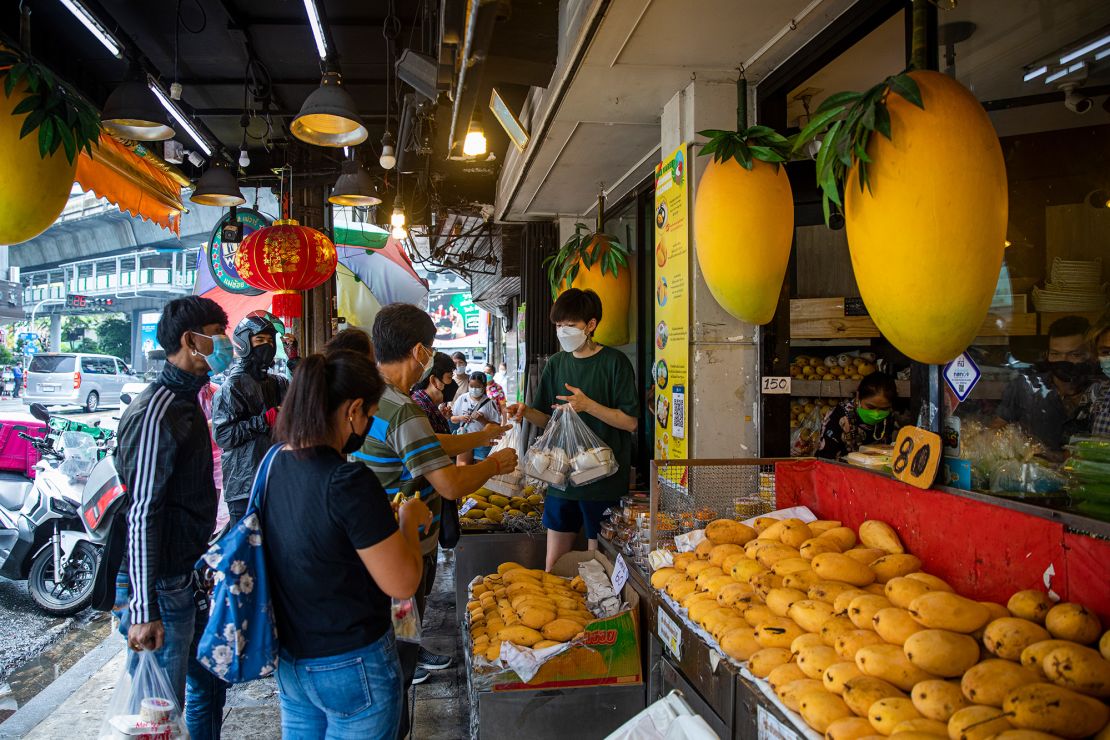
[(75, 379)]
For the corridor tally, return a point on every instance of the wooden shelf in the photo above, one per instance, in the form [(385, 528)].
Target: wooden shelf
[(823, 318), (984, 390)]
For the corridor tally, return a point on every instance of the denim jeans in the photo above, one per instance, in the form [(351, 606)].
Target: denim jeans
[(354, 695), (200, 693)]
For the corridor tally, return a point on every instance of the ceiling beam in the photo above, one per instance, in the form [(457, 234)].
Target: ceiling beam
[(304, 81)]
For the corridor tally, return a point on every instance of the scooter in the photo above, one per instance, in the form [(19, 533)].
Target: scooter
[(53, 529)]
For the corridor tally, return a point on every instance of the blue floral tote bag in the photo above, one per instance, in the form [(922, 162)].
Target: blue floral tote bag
[(240, 642)]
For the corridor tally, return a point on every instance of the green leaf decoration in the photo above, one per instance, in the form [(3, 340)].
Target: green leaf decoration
[(845, 122), (761, 143), (61, 117), (584, 249)]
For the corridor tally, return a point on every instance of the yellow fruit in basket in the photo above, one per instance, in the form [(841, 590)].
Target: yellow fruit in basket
[(838, 674), (514, 512), (977, 723), (895, 625), (895, 566), (820, 709), (740, 644), (776, 552), (934, 583), (715, 584), (679, 588), (990, 681), (786, 566), (833, 566), (1033, 656), (813, 547), (880, 535), (1073, 622), (862, 610), (827, 591), (865, 555), (697, 566), (474, 514), (1056, 710), (889, 711), (1008, 637), (849, 728), (494, 651), (534, 498), (733, 559), (699, 610), (834, 627), (764, 582), (792, 693), (779, 600), (494, 514), (942, 653), (777, 632), (705, 575), (889, 662), (844, 537), (844, 600), (499, 501), (729, 532), (722, 627), (659, 578), (703, 549), (718, 553), (743, 570), (902, 591), (520, 635), (948, 611), (814, 659), (863, 691), (783, 675), (756, 614), (546, 644), (692, 598), (804, 641), (919, 728), (1030, 604), (562, 630), (735, 595), (765, 660), (801, 579), (810, 614), (1080, 669), (937, 699)]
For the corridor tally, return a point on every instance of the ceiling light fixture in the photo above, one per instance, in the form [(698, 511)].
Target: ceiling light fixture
[(218, 187), (474, 145), (179, 116), (329, 116), (1055, 76), (1086, 49), (388, 160), (131, 111), (397, 219), (1035, 73), (400, 233), (244, 158), (317, 27), (95, 27), (354, 187)]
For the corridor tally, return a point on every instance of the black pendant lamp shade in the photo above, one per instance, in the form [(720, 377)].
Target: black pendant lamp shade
[(217, 187), (354, 187), (132, 111), (329, 116)]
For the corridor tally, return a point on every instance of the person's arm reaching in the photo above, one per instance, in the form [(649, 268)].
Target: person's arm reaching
[(523, 412), (583, 404), (455, 481), (456, 444), (231, 428)]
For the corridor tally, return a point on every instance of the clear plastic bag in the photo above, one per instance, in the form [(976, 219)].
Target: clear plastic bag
[(806, 436), (1015, 476), (143, 705), (511, 483), (568, 452), (79, 454), (406, 620)]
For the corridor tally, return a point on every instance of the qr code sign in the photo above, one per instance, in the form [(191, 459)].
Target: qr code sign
[(678, 412)]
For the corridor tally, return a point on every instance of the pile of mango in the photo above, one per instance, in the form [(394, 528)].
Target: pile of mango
[(526, 607), (854, 636), (834, 367), (492, 508)]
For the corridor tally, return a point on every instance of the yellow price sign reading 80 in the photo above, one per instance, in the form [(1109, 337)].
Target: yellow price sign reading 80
[(916, 456)]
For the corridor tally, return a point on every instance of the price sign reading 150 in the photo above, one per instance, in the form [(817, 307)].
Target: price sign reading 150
[(776, 385)]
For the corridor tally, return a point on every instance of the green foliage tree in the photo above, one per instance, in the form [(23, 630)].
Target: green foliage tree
[(114, 338)]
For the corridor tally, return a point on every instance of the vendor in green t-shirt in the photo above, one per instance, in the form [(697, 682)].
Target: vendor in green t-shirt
[(598, 383)]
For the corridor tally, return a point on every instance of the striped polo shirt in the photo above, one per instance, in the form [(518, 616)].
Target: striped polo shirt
[(401, 449)]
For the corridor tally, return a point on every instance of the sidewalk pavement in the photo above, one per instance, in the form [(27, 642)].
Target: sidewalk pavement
[(73, 706)]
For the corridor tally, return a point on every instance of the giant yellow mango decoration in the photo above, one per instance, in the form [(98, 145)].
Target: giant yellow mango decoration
[(615, 292), (33, 190), (927, 241), (743, 227)]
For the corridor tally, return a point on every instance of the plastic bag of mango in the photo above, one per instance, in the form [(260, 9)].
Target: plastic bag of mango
[(490, 508)]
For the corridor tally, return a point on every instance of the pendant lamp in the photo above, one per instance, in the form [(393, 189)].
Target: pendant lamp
[(329, 116), (132, 112), (218, 187), (354, 187)]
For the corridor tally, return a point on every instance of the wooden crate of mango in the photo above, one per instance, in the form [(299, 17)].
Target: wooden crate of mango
[(489, 510)]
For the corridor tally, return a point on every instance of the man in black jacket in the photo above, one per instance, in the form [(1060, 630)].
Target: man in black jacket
[(245, 407), (164, 458)]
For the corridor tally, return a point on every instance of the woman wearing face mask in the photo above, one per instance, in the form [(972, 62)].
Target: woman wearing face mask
[(335, 557), (1098, 395), (473, 412), (435, 393), (598, 382), (862, 420)]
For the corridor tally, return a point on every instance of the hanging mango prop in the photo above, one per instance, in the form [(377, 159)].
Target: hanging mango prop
[(927, 240), (744, 216), (597, 262)]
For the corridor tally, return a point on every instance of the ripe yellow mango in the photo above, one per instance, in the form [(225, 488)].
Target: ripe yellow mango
[(895, 625), (850, 643), (1056, 710), (519, 635), (838, 674), (833, 628), (990, 681), (1008, 637), (1080, 669), (934, 583), (977, 723), (844, 537), (942, 653), (948, 611), (814, 659), (863, 691), (740, 643), (784, 674), (801, 579), (862, 610), (919, 727), (810, 615), (820, 709), (889, 711), (816, 546), (937, 699), (765, 660), (895, 566), (881, 536), (849, 728), (779, 600), (890, 663), (1073, 622), (777, 632), (831, 566)]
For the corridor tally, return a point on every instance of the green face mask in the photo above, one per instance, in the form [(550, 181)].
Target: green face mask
[(872, 416)]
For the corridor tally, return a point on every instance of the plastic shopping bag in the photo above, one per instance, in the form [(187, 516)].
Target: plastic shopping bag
[(512, 483), (569, 450), (143, 705), (406, 620)]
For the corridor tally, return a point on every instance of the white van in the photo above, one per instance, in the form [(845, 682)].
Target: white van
[(75, 379)]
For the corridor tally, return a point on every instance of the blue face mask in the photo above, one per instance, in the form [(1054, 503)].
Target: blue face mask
[(1104, 362), (221, 356)]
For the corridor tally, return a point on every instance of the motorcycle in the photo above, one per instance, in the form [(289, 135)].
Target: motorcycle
[(53, 529)]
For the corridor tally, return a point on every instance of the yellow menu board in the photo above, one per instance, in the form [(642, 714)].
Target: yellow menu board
[(672, 305)]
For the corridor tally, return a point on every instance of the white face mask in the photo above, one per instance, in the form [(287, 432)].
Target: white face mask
[(571, 338), (475, 393)]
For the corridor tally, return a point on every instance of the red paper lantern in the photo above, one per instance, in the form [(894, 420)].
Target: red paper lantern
[(285, 259)]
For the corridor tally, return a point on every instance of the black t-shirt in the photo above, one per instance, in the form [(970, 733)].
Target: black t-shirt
[(318, 510)]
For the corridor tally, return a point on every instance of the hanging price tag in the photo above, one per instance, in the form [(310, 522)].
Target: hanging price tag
[(776, 385), (620, 574), (669, 634), (470, 504)]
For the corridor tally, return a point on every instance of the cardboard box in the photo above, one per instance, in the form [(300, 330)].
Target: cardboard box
[(611, 654)]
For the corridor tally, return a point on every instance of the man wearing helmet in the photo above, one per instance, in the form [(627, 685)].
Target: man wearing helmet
[(246, 406)]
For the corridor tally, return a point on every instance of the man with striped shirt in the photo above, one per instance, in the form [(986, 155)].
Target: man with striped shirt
[(164, 458), (402, 448)]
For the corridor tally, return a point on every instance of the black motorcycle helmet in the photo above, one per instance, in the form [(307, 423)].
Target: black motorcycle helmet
[(256, 322)]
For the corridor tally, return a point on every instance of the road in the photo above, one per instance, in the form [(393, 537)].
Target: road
[(35, 647)]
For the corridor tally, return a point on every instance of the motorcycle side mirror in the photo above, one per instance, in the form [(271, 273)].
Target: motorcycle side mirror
[(125, 397), (39, 412)]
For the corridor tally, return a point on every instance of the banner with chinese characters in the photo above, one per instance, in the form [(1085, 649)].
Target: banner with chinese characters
[(672, 306)]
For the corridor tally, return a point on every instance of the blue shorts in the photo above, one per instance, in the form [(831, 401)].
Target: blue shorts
[(567, 515)]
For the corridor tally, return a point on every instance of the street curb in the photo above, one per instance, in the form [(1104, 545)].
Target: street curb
[(27, 717)]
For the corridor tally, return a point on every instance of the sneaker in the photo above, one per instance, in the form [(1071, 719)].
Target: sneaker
[(432, 662), (420, 676)]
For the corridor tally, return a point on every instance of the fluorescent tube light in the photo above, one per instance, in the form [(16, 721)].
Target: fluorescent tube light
[(317, 27), (179, 116), (1034, 74), (1055, 76), (89, 21), (1085, 49)]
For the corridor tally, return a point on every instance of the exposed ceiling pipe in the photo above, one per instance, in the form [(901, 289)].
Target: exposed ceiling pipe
[(791, 26), (476, 39)]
